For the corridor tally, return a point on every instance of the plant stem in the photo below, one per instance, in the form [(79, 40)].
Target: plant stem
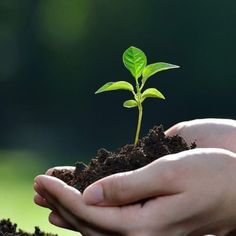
[(138, 98), (140, 114)]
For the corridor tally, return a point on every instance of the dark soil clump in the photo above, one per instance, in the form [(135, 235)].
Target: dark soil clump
[(127, 158), (9, 229)]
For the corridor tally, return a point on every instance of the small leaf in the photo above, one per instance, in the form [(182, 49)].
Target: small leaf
[(119, 85), (130, 104), (155, 68), (135, 61), (152, 93)]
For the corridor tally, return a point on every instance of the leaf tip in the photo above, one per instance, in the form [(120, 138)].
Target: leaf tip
[(175, 66), (100, 90)]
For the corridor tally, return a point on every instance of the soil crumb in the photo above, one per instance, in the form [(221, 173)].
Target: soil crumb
[(7, 228)]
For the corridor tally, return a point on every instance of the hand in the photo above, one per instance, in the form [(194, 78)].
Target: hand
[(190, 193), (219, 133), (69, 211), (208, 133), (202, 201), (134, 219)]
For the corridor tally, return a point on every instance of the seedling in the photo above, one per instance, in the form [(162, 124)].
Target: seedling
[(135, 61)]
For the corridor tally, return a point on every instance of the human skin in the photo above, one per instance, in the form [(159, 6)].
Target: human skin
[(208, 133), (189, 193)]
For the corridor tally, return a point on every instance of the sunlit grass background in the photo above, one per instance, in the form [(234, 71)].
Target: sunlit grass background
[(17, 171)]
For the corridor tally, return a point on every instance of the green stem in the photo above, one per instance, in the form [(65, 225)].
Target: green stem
[(142, 85), (140, 114)]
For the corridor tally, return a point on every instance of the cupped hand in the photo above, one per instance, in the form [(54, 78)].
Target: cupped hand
[(69, 211), (189, 193)]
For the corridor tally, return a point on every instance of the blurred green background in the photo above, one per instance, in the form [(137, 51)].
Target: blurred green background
[(55, 53)]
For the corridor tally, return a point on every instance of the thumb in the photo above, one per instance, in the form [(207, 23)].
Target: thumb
[(155, 179)]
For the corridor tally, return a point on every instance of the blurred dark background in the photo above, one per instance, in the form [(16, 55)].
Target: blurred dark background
[(54, 54)]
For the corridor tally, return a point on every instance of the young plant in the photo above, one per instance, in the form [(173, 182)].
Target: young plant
[(135, 61)]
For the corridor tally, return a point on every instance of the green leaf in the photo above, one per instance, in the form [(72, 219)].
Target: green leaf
[(119, 85), (155, 68), (135, 61), (130, 104), (152, 93)]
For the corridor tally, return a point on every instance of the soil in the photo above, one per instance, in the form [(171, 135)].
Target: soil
[(126, 158), (7, 228)]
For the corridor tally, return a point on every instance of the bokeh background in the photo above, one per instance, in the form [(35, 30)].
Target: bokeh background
[(54, 54)]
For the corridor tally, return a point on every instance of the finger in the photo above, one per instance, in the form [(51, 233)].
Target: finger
[(39, 200), (57, 220), (85, 229), (72, 223), (37, 189), (44, 199), (129, 187), (175, 129), (50, 171), (63, 196)]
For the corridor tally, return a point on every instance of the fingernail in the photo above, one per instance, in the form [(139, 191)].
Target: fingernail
[(93, 195)]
